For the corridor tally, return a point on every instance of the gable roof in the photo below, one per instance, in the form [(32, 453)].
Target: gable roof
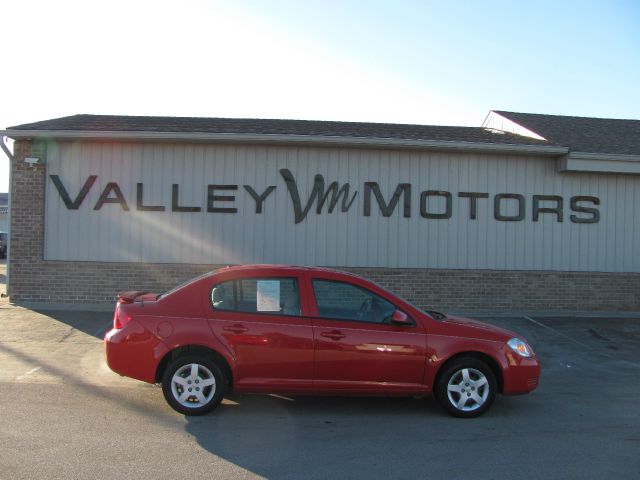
[(582, 134), (265, 127)]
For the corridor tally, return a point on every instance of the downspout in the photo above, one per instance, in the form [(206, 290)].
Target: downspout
[(6, 150)]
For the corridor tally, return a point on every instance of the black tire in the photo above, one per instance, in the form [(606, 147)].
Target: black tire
[(470, 392), (206, 369)]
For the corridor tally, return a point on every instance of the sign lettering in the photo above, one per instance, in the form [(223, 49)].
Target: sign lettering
[(433, 204)]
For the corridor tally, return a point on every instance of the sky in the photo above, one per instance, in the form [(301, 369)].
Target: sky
[(423, 62)]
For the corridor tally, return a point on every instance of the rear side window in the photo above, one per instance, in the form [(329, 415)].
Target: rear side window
[(344, 301), (222, 297), (258, 295)]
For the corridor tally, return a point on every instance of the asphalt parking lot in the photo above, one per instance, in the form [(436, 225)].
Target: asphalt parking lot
[(64, 414)]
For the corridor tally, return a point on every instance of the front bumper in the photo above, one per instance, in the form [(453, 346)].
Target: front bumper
[(522, 375)]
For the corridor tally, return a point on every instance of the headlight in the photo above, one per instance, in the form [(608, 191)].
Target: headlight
[(520, 347)]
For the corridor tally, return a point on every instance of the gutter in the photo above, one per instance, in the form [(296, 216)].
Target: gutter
[(610, 157), (600, 163), (5, 149), (286, 139)]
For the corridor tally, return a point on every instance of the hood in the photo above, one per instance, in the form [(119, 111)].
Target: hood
[(472, 327)]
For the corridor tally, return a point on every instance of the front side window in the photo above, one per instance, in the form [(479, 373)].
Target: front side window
[(345, 301), (258, 295)]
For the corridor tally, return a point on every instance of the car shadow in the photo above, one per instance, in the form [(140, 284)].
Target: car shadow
[(92, 323), (278, 436), (350, 437)]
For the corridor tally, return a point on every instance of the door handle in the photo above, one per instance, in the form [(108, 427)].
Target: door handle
[(237, 328), (334, 335)]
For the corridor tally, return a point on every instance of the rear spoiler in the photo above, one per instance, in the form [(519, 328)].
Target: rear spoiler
[(130, 296)]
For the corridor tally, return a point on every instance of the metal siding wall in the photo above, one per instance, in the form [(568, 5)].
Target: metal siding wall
[(338, 239)]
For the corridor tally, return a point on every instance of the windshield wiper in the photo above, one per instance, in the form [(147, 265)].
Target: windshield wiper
[(437, 315)]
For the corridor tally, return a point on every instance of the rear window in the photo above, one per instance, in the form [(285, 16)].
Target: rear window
[(184, 284)]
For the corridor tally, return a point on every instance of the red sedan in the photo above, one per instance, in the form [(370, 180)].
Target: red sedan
[(303, 330)]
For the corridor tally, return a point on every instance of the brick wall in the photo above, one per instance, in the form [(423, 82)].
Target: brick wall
[(34, 280), (511, 290)]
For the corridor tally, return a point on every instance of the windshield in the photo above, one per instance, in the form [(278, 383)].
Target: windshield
[(431, 313)]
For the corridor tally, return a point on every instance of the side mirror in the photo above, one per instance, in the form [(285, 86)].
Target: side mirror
[(400, 318)]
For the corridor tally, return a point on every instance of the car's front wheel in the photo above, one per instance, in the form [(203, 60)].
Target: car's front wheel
[(466, 388), (193, 384)]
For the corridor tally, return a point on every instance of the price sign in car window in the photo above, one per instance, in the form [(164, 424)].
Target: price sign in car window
[(268, 296)]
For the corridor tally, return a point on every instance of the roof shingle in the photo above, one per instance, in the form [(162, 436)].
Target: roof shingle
[(583, 134), (118, 123)]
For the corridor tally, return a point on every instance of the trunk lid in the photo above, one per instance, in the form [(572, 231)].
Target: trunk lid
[(136, 296)]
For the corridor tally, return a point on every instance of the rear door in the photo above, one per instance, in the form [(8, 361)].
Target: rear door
[(357, 348), (260, 319)]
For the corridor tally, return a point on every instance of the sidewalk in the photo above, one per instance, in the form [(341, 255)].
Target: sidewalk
[(54, 347)]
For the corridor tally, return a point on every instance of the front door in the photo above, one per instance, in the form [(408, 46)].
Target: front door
[(357, 348)]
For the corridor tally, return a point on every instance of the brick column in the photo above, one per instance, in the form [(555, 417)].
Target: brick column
[(26, 222)]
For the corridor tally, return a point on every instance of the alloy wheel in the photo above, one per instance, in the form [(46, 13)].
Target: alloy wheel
[(193, 385), (468, 389)]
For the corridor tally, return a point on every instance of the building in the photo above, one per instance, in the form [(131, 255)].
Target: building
[(526, 212)]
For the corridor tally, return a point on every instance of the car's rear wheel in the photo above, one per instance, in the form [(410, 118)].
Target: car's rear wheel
[(193, 384), (466, 388)]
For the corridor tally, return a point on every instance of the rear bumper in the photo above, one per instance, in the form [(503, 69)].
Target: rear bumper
[(134, 352)]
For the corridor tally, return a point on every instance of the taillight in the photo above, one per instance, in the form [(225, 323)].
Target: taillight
[(120, 318)]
